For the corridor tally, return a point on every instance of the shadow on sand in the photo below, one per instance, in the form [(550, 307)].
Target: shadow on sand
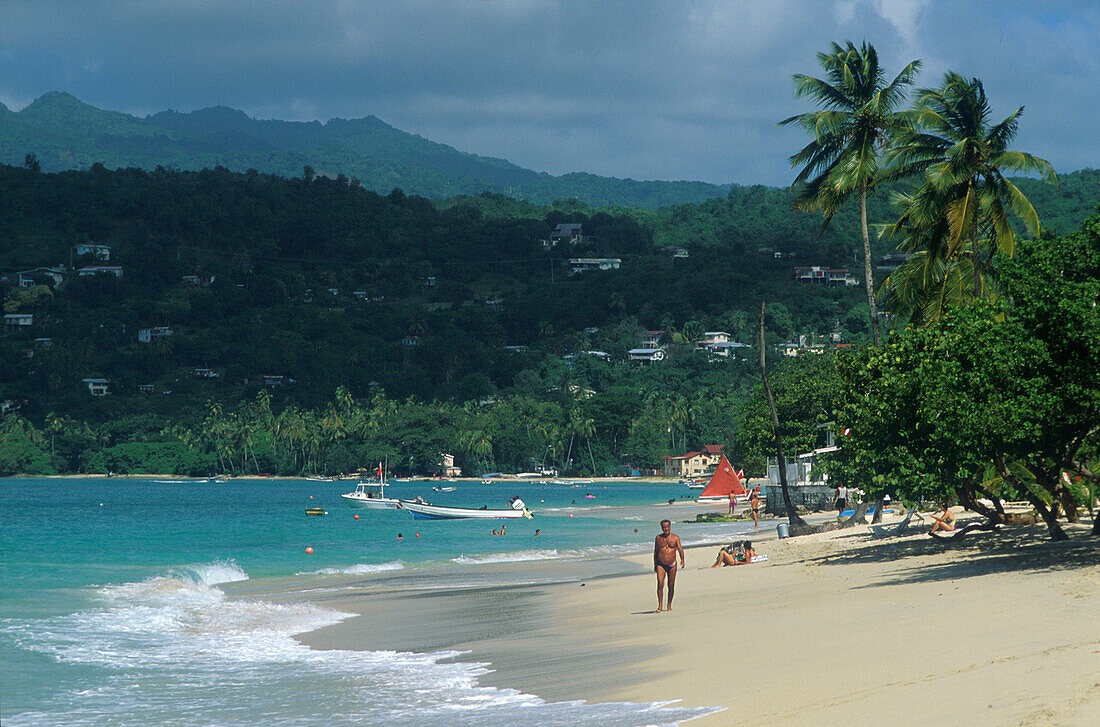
[(1019, 549)]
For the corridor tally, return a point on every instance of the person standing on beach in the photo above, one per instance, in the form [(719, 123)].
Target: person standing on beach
[(733, 503), (755, 503), (666, 546)]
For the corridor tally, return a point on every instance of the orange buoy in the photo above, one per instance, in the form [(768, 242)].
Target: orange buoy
[(311, 497), (309, 551), (356, 517)]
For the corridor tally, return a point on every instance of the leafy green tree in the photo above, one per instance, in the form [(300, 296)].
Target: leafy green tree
[(21, 451), (1011, 387), (858, 118)]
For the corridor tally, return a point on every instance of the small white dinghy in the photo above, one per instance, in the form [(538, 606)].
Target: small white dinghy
[(427, 511)]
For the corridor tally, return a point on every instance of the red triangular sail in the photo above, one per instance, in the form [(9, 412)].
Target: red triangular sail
[(724, 481)]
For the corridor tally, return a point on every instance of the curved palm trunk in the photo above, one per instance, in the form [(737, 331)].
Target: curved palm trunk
[(868, 276)]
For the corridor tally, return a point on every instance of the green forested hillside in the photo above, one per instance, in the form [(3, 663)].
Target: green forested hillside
[(330, 287), (65, 133), (270, 250)]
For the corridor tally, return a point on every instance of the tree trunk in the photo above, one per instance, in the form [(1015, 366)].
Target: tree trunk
[(1069, 504), (1049, 517), (793, 518), (879, 504), (868, 276), (970, 501), (859, 517)]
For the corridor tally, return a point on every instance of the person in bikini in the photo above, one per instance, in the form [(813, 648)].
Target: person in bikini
[(666, 546), (732, 555), (945, 521), (754, 501)]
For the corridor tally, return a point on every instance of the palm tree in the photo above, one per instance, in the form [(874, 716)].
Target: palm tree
[(586, 428), (961, 210), (858, 118), (55, 424)]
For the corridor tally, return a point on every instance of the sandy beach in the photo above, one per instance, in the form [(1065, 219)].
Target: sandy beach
[(836, 628)]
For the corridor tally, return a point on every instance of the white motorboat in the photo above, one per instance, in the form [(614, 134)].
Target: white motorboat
[(426, 511), (372, 495), (448, 488)]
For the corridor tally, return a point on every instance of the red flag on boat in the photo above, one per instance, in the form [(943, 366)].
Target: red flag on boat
[(379, 471), (724, 481)]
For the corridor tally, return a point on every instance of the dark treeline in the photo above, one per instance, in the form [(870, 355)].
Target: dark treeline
[(328, 285), (415, 312)]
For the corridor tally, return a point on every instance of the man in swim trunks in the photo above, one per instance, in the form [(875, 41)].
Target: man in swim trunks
[(665, 548), (754, 501)]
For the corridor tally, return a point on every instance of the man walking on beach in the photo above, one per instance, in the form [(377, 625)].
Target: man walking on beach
[(665, 548)]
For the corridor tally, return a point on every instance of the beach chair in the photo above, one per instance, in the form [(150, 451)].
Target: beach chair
[(895, 530)]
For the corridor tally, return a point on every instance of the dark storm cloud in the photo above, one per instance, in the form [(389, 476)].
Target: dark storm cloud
[(670, 90)]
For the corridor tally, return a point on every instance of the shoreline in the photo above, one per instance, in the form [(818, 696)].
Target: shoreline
[(655, 479), (833, 628)]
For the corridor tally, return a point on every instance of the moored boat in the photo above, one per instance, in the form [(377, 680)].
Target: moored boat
[(426, 511), (723, 483), (372, 495)]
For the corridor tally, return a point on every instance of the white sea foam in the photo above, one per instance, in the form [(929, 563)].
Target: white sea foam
[(172, 650), (518, 556), (357, 569)]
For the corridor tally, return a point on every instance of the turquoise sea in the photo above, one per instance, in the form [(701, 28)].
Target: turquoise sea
[(113, 610)]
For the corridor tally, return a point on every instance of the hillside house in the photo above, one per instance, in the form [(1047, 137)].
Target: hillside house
[(652, 339), (894, 260), (831, 277), (100, 252), (585, 264), (29, 278), (16, 321), (647, 355), (205, 373), (97, 387), (693, 464), (145, 335), (410, 341), (800, 346), (710, 337), (90, 270), (447, 466), (274, 381), (147, 388), (724, 349), (568, 232)]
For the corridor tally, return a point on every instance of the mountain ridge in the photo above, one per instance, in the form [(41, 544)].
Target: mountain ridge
[(64, 133)]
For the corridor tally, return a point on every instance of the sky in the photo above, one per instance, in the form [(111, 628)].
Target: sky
[(647, 89)]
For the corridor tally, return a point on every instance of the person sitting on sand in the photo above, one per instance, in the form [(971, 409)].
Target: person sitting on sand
[(945, 521), (736, 554)]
